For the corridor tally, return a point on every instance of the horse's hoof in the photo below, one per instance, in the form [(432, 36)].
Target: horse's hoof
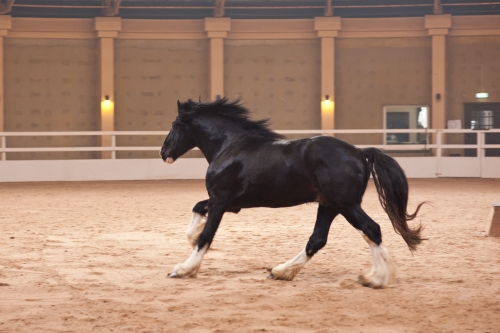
[(366, 282), (172, 275), (271, 276)]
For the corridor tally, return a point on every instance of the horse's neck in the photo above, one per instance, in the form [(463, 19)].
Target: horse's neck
[(211, 152), (211, 143), (213, 139)]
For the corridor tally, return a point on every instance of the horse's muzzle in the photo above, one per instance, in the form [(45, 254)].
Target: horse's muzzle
[(167, 159)]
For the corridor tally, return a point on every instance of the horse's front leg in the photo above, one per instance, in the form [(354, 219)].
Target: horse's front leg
[(197, 222), (192, 265)]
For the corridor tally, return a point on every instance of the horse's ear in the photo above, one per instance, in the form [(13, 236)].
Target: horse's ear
[(186, 111)]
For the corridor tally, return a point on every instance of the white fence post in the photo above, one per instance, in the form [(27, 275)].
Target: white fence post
[(439, 142), (481, 152), (4, 145), (113, 145), (439, 151)]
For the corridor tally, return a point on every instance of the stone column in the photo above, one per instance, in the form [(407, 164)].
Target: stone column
[(438, 27), (327, 28), (217, 28), (107, 29), (5, 26)]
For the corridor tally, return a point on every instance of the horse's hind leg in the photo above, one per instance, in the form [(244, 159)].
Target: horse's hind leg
[(317, 241), (384, 269), (198, 221)]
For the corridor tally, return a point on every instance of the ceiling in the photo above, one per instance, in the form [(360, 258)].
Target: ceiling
[(239, 9)]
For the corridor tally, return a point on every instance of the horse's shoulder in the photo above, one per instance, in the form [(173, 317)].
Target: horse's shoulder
[(224, 163)]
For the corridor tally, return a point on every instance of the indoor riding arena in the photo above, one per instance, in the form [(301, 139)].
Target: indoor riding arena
[(232, 233)]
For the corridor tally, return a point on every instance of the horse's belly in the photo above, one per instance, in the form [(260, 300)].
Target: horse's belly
[(276, 195)]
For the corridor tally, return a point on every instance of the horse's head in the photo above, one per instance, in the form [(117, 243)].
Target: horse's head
[(180, 139)]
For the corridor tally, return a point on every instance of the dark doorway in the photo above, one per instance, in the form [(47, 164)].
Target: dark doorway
[(482, 116)]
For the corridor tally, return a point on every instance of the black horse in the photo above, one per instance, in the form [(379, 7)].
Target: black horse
[(252, 166)]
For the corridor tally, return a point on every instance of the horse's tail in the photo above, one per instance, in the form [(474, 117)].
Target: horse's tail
[(392, 187)]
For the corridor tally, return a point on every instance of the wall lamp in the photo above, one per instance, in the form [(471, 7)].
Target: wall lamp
[(327, 105), (106, 105)]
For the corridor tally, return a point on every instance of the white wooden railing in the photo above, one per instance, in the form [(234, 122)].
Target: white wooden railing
[(481, 145), (437, 165)]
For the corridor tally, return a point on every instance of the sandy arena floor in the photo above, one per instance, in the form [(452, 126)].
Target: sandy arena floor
[(94, 257)]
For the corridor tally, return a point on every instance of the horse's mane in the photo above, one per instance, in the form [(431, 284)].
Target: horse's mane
[(236, 116)]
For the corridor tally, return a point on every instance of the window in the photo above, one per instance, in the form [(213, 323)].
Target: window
[(481, 120), (405, 117)]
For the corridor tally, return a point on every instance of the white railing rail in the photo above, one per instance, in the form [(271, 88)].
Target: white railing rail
[(437, 133)]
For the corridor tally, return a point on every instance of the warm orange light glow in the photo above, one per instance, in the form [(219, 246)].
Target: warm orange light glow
[(327, 114), (327, 106), (107, 106)]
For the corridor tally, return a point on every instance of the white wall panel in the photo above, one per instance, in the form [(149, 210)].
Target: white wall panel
[(87, 170)]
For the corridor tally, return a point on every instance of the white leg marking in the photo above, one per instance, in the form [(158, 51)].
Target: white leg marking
[(288, 270), (191, 266), (195, 228), (383, 270)]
